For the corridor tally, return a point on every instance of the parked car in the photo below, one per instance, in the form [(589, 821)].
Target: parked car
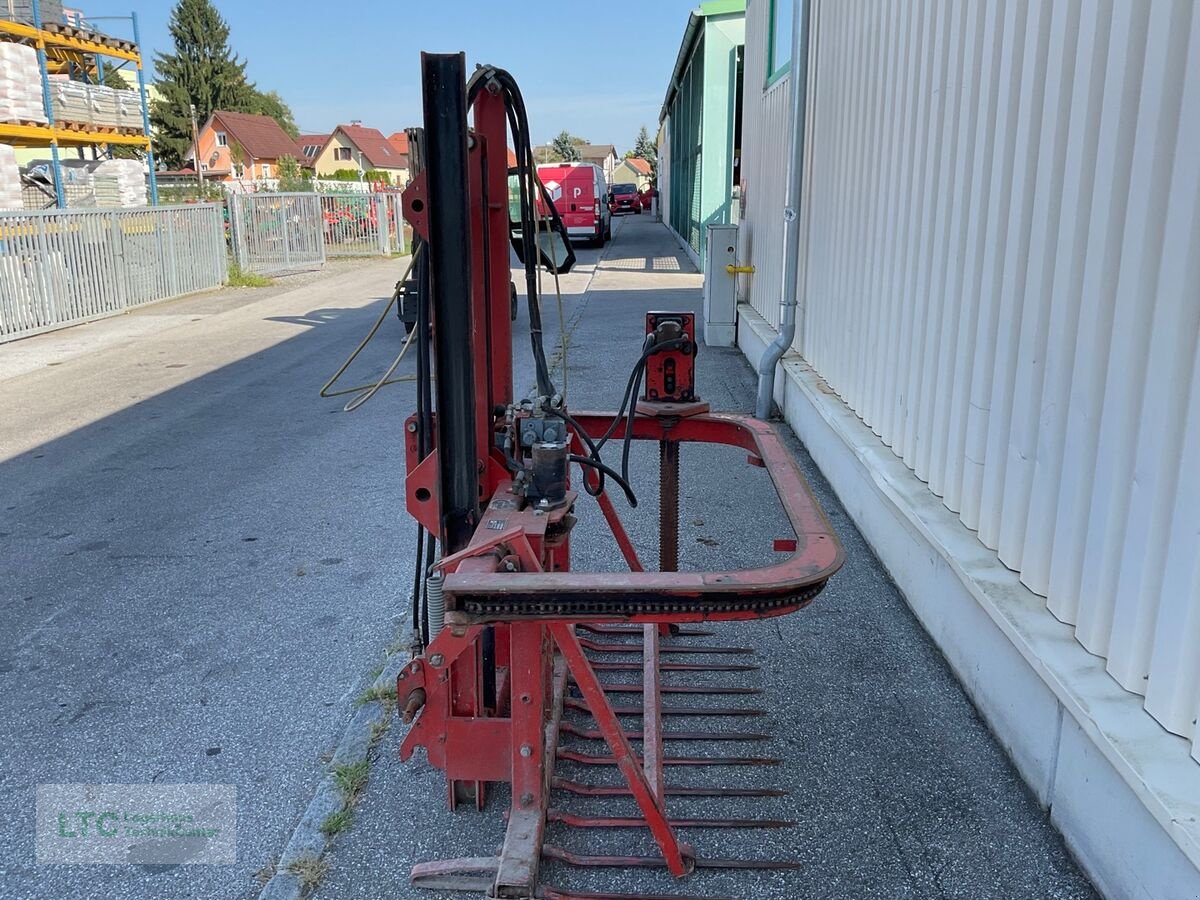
[(577, 190), (623, 198), (647, 197)]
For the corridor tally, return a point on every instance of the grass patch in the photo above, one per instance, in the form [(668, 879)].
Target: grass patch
[(309, 870), (238, 278), (265, 874), (385, 695), (351, 779), (336, 823), (378, 730), (377, 671)]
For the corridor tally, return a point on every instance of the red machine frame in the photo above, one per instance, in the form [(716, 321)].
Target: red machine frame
[(513, 581)]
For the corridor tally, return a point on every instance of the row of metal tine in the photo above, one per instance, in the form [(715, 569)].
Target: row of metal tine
[(614, 643)]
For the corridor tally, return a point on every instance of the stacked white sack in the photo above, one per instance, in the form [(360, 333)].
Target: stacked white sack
[(10, 179), (131, 180), (71, 102), (20, 85)]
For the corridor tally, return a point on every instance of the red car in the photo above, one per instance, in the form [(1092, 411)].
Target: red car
[(623, 198), (647, 196)]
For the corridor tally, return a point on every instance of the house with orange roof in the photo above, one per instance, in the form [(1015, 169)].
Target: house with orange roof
[(242, 147), (354, 146)]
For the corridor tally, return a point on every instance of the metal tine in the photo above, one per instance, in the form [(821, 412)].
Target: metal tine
[(576, 821), (620, 790), (577, 704), (599, 647), (594, 734), (475, 873), (657, 862), (637, 629), (606, 666), (589, 759), (679, 689), (552, 893)]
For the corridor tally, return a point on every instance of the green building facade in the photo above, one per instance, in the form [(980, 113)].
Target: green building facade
[(701, 122)]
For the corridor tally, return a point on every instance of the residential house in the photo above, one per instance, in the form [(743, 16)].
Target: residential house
[(365, 149), (992, 354), (702, 108), (242, 147), (603, 155), (633, 170), (311, 146), (399, 142)]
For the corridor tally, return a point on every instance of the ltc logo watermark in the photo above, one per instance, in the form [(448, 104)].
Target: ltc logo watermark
[(144, 824)]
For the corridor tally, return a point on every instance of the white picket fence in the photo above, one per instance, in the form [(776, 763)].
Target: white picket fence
[(62, 267)]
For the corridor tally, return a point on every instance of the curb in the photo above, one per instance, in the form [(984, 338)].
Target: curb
[(308, 842)]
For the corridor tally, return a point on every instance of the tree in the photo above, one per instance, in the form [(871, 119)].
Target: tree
[(567, 146), (271, 104), (644, 148), (205, 72), (202, 71), (291, 176), (115, 78)]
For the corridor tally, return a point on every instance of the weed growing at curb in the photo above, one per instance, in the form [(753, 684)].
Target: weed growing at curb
[(337, 822), (378, 730), (385, 695), (309, 870), (351, 779), (266, 873)]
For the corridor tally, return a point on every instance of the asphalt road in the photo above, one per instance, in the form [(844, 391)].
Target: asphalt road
[(201, 562)]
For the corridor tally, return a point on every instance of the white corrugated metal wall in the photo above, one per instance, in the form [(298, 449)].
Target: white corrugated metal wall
[(1003, 282)]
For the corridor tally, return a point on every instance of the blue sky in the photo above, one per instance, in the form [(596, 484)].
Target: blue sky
[(598, 70)]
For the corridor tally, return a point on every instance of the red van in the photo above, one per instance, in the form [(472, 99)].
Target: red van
[(578, 190), (624, 198)]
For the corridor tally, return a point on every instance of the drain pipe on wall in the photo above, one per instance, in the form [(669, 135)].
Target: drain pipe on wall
[(791, 215)]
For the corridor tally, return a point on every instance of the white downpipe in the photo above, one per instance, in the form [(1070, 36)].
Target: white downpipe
[(791, 214)]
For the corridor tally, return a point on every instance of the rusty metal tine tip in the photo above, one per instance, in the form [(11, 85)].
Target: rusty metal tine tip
[(637, 629), (577, 821), (552, 893), (607, 666), (619, 790), (656, 862), (594, 734), (589, 759), (579, 705), (681, 689), (600, 647)]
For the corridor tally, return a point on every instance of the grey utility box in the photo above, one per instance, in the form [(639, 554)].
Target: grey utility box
[(720, 287)]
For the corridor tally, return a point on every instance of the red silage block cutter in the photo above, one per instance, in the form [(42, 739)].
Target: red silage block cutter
[(501, 616)]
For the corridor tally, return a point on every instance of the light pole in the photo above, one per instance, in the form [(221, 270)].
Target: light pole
[(196, 148)]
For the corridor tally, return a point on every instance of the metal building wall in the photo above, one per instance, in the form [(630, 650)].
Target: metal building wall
[(1003, 282), (765, 132)]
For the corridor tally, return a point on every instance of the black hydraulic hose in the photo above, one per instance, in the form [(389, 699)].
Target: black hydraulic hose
[(605, 470), (593, 450), (418, 582), (424, 555)]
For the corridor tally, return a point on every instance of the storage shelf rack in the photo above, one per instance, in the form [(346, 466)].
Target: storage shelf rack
[(59, 48)]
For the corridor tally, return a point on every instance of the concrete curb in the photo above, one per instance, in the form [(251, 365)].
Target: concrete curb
[(308, 841)]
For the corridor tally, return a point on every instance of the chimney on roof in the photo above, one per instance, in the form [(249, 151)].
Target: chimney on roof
[(356, 121)]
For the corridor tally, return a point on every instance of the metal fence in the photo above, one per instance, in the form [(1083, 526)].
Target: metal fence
[(61, 267), (275, 233), (355, 224), (363, 224)]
